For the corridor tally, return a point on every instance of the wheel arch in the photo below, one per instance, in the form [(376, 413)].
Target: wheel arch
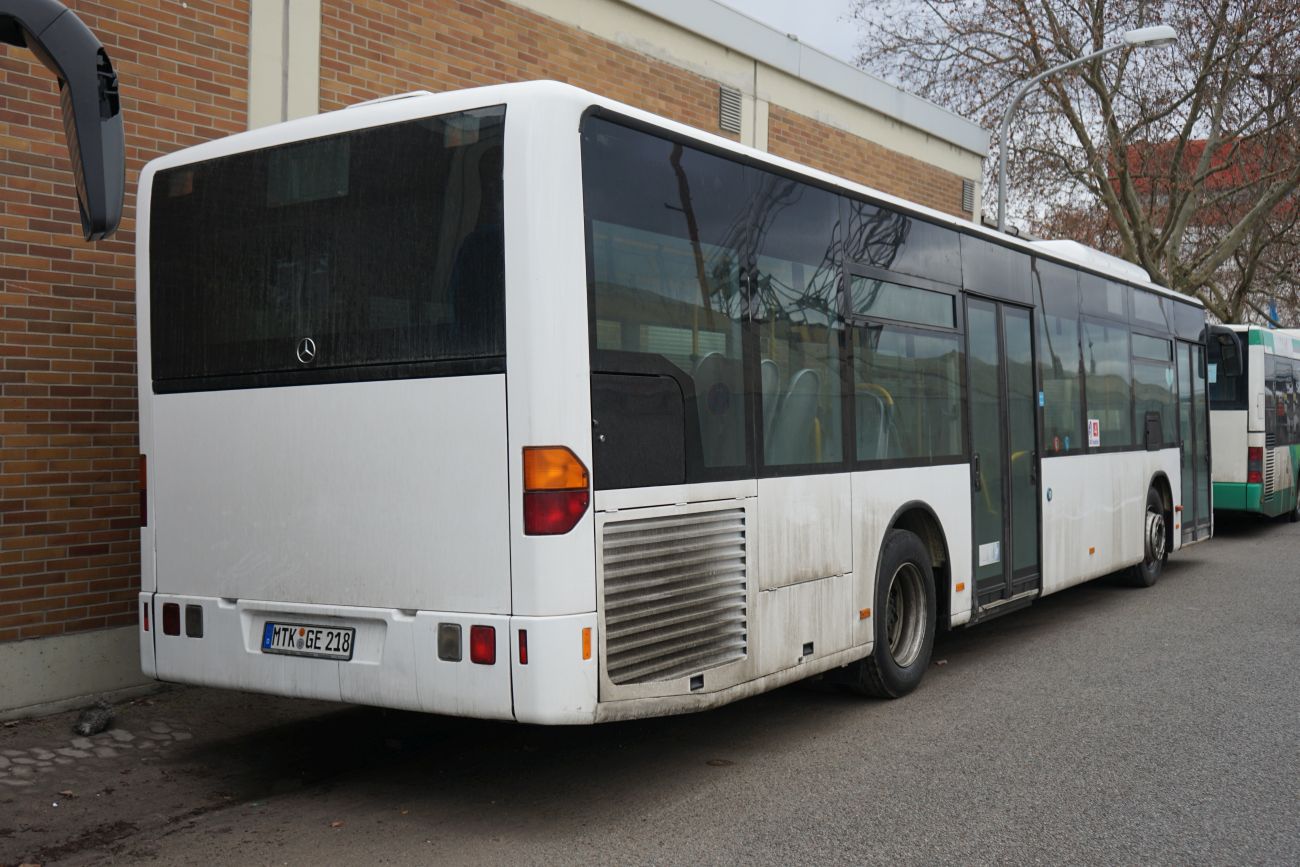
[(1160, 482), (919, 518)]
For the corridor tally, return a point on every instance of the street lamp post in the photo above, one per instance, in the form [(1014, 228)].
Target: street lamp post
[(1153, 37)]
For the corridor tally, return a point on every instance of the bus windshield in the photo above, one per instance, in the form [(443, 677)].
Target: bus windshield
[(368, 254)]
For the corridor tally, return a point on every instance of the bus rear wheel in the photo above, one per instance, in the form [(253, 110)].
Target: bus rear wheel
[(1155, 543), (904, 620)]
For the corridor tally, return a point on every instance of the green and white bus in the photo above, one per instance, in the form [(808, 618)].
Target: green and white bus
[(1255, 426)]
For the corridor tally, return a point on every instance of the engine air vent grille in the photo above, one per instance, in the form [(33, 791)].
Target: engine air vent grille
[(1270, 466), (675, 595)]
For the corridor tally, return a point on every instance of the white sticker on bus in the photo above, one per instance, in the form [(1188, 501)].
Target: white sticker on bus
[(990, 553), (1094, 432)]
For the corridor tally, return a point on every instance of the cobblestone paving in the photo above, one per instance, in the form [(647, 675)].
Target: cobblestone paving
[(24, 767)]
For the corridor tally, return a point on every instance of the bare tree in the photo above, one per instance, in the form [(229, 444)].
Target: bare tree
[(1183, 159)]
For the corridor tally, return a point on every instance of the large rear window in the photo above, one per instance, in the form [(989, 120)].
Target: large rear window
[(371, 254)]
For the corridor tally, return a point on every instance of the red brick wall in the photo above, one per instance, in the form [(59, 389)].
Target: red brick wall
[(807, 141), (69, 547), (373, 49)]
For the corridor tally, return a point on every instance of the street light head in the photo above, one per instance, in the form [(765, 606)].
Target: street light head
[(1151, 37)]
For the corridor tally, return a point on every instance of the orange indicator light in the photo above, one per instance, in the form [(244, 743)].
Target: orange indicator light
[(553, 468), (586, 642), (1092, 551), (961, 585), (864, 614)]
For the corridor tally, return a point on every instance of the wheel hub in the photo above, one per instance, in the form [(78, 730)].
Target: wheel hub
[(1155, 536), (905, 615)]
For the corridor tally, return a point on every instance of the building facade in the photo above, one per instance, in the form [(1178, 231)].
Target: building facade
[(199, 69)]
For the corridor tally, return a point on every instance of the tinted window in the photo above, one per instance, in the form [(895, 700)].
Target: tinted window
[(1103, 297), (1059, 358), (1153, 386), (1152, 348), (1107, 383), (1151, 309), (383, 246), (1281, 401), (884, 238), (1189, 320), (994, 270), (666, 226), (796, 313), (885, 300), (907, 393), (1058, 287)]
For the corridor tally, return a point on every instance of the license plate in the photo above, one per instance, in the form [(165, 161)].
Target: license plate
[(302, 639)]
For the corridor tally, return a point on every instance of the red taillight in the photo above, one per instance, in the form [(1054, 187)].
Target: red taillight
[(171, 619), (144, 615), (144, 492), (556, 490), (550, 513), (523, 647), (1254, 465), (483, 645)]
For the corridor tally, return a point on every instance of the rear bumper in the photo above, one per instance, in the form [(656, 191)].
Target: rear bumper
[(1237, 496), (394, 663)]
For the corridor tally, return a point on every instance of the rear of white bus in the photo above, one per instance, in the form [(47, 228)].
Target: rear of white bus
[(334, 495)]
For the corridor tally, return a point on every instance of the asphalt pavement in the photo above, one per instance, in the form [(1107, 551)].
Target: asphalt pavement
[(1103, 725)]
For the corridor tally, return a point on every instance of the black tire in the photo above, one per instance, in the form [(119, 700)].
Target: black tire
[(904, 621), (1155, 544)]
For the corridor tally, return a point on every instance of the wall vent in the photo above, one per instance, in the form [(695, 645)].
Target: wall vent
[(968, 195), (729, 109)]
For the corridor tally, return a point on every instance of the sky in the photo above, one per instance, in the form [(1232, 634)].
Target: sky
[(823, 24)]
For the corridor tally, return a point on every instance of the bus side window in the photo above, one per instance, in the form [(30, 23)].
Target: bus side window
[(1270, 395), (1108, 384), (665, 233), (796, 305), (1059, 365), (907, 393)]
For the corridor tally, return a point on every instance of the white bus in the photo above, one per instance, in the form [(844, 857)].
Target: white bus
[(518, 402), (1255, 425)]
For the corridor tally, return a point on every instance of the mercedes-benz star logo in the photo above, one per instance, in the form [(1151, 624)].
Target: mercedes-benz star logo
[(306, 350)]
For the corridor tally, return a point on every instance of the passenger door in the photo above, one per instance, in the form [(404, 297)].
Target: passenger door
[(1004, 457), (1193, 415)]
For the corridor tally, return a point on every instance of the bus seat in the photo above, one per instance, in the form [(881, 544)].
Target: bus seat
[(792, 440), (720, 403), (875, 421)]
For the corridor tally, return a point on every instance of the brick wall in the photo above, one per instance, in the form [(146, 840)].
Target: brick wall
[(69, 547), (373, 49), (807, 141)]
